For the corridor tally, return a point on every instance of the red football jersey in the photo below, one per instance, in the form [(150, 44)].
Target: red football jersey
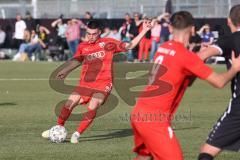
[(97, 60), (173, 65)]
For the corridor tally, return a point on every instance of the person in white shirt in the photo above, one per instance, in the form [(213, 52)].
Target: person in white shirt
[(20, 27), (2, 37)]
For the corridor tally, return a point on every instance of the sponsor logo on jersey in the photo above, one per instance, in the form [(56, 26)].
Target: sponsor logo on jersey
[(96, 55)]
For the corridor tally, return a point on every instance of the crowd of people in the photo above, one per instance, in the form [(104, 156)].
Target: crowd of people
[(35, 42)]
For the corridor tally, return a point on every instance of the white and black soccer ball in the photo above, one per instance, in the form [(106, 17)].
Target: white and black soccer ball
[(58, 134)]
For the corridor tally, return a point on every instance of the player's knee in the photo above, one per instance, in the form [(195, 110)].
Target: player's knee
[(95, 103), (205, 156)]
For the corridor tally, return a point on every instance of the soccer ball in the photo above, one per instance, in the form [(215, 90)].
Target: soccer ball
[(57, 134)]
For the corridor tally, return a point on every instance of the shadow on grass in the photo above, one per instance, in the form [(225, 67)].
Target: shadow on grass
[(8, 104), (118, 133)]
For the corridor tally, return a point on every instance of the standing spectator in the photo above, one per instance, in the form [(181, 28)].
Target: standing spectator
[(206, 35), (73, 34), (134, 30), (144, 46), (20, 26), (129, 31), (155, 38), (61, 32), (30, 22), (2, 37), (164, 21)]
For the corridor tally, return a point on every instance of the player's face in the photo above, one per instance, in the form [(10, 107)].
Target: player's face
[(92, 35)]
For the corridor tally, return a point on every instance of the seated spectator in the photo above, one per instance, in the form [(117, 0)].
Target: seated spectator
[(23, 46), (115, 33), (206, 35), (43, 34), (35, 45), (32, 44), (106, 32), (2, 37)]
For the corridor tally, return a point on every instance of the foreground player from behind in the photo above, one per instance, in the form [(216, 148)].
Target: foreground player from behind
[(96, 75), (173, 64), (226, 132)]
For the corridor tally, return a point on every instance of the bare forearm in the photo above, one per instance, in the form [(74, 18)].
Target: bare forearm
[(222, 79), (136, 40)]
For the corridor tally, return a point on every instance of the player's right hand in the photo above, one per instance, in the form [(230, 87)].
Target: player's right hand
[(61, 75), (235, 62)]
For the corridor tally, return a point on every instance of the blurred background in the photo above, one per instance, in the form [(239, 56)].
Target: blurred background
[(50, 30)]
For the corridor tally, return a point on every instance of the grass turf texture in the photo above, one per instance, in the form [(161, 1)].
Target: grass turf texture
[(27, 108)]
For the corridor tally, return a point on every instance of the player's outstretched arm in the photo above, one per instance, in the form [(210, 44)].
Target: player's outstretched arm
[(220, 80), (147, 25), (208, 52), (71, 65)]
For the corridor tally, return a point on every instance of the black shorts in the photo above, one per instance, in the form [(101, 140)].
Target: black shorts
[(226, 132)]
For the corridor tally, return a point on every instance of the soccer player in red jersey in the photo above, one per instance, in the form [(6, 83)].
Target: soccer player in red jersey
[(96, 77), (173, 65)]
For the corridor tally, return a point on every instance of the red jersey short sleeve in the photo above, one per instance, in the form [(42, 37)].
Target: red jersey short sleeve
[(194, 65), (116, 45)]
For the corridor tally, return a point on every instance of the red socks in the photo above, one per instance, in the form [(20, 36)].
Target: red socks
[(64, 114), (87, 120)]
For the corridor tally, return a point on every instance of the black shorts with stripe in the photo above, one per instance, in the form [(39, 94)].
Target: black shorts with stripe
[(226, 132)]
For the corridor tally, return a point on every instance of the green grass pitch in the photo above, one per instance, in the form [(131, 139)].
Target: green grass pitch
[(27, 108)]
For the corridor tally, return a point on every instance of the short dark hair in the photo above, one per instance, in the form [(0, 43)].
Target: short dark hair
[(93, 24), (235, 15), (182, 20)]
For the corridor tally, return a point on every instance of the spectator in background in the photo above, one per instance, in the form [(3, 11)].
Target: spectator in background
[(2, 37), (106, 32), (20, 27), (115, 33), (30, 22), (128, 32), (61, 32), (155, 38), (73, 34), (134, 30), (35, 45), (144, 46), (195, 41), (206, 35), (23, 46), (88, 15), (43, 34), (164, 21)]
